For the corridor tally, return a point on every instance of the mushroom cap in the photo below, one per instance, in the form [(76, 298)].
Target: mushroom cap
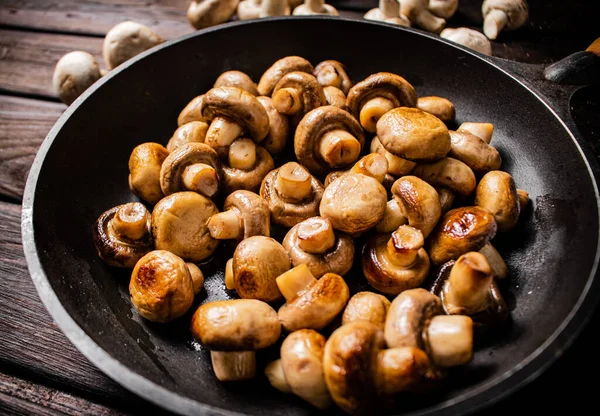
[(236, 325), (316, 306), (192, 132), (338, 259), (192, 111), (280, 68), (253, 210), (469, 38), (420, 203), (73, 74), (349, 361), (313, 126), (286, 213), (448, 173), (257, 262), (171, 172), (236, 79), (205, 13), (302, 361), (145, 164), (179, 225), (305, 10), (413, 134), (366, 306), (459, 231), (377, 15), (279, 127), (408, 318), (332, 73), (116, 250), (497, 193), (386, 276), (240, 106), (249, 9), (126, 40), (354, 203), (516, 11), (474, 152), (161, 286), (440, 107), (311, 92), (382, 84), (235, 179)]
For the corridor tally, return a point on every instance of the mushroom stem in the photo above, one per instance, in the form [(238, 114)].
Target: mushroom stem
[(494, 23), (233, 365), (523, 197), (276, 376), (295, 281), (373, 165), (450, 340), (201, 178), (338, 148), (294, 182), (242, 154), (482, 130), (222, 132), (392, 219), (315, 235), (316, 5), (225, 225), (372, 111), (197, 277), (495, 260), (287, 101), (403, 247), (229, 280), (468, 286), (130, 221), (389, 8)]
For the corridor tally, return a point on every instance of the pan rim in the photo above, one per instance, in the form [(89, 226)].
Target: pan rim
[(481, 396)]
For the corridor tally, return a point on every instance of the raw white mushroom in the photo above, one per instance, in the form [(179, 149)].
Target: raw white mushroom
[(502, 15), (419, 15), (443, 8), (389, 12), (274, 8), (249, 9), (205, 13), (315, 7), (73, 74), (469, 38), (126, 40)]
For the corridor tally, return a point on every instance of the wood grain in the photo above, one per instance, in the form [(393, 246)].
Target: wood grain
[(27, 59), (24, 123), (95, 17), (20, 397)]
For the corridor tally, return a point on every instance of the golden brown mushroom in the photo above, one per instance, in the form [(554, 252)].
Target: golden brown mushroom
[(233, 330), (366, 306), (497, 193), (314, 243), (292, 193), (392, 218), (415, 319), (482, 130), (523, 199), (246, 167), (257, 261), (280, 68), (332, 73), (461, 230), (396, 165), (279, 127), (191, 167), (192, 132), (245, 214), (335, 97), (179, 225), (448, 173), (397, 263), (376, 95), (144, 171), (197, 277), (310, 303), (192, 112), (122, 235), (236, 79), (419, 202), (474, 152), (328, 138), (296, 94), (446, 199), (300, 368), (440, 107), (161, 286), (413, 134)]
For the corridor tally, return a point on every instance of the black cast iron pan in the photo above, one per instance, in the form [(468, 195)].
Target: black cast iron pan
[(81, 170)]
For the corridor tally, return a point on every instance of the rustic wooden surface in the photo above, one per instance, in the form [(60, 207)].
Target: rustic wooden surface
[(41, 372)]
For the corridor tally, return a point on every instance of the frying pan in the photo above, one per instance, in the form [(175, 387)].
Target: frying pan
[(81, 170)]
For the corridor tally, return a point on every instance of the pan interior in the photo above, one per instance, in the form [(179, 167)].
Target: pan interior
[(550, 254)]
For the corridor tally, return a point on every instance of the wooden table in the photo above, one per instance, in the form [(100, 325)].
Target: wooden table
[(41, 372)]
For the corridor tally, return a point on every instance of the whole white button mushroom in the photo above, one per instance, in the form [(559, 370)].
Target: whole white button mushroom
[(315, 7), (501, 15), (126, 40), (73, 74), (389, 12), (469, 38), (205, 13)]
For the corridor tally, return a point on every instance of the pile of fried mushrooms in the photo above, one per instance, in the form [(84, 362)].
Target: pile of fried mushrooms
[(367, 174)]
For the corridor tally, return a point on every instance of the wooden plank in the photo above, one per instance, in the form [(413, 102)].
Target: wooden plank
[(27, 59), (24, 123), (31, 344), (20, 397), (95, 17)]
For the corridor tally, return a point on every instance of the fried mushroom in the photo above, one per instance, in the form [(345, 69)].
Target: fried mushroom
[(279, 69), (247, 166), (279, 127), (440, 107), (192, 132), (419, 202), (296, 94), (474, 152), (332, 73), (236, 79), (145, 164), (497, 193), (192, 112), (366, 306), (245, 214), (448, 173)]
